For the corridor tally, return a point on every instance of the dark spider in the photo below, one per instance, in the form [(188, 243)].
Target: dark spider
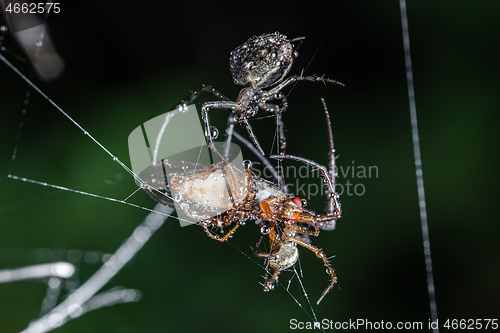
[(259, 63)]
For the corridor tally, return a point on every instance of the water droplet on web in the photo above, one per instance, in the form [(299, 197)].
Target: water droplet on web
[(39, 43)]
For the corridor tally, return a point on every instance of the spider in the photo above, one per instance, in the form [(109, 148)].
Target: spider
[(233, 196), (258, 64)]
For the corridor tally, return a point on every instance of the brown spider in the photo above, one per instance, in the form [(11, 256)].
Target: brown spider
[(258, 64), (235, 196)]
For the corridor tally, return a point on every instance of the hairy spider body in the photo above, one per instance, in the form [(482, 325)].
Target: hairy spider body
[(222, 195), (262, 60), (261, 64)]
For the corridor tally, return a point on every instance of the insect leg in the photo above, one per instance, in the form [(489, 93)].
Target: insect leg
[(322, 256)]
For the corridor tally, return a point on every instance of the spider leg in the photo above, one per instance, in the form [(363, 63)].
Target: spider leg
[(326, 175), (281, 131), (295, 78), (230, 130), (252, 135), (217, 237), (311, 220), (333, 204), (204, 114), (198, 92), (277, 112), (214, 221), (323, 222), (183, 106), (257, 253), (269, 284), (322, 256)]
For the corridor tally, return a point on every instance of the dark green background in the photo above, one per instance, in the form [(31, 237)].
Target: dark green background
[(127, 62)]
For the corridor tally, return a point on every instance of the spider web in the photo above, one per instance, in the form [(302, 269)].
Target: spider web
[(79, 296)]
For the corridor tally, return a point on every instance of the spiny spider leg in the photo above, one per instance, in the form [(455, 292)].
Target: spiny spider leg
[(295, 78), (269, 284), (257, 247), (322, 256), (204, 114), (332, 200), (217, 237), (277, 110), (252, 135), (231, 121), (281, 131), (324, 171)]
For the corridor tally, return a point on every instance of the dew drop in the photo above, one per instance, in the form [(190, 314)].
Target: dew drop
[(214, 132), (39, 43), (264, 230)]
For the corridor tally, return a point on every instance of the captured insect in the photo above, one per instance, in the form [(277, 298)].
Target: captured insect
[(258, 64), (224, 196)]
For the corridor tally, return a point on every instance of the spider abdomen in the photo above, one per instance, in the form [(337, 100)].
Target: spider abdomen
[(285, 257), (262, 60)]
